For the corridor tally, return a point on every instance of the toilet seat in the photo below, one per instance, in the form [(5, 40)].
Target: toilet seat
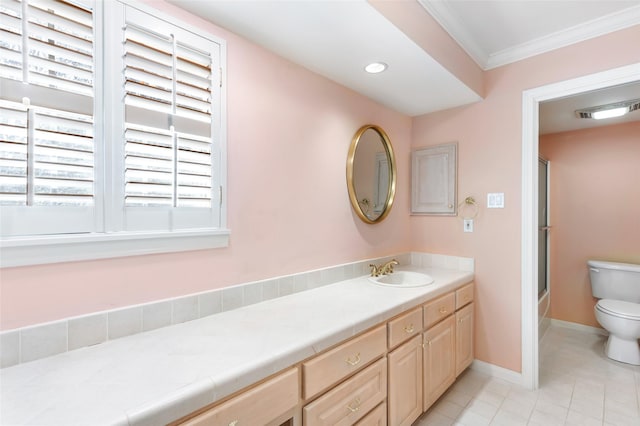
[(619, 308)]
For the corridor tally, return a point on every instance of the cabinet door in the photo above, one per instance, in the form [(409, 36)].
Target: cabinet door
[(439, 360), (464, 338), (433, 180), (405, 383)]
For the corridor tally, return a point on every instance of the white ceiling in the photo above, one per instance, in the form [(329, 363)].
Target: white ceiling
[(337, 38), (559, 115), (499, 32)]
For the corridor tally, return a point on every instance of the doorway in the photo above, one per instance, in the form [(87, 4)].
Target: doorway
[(530, 204)]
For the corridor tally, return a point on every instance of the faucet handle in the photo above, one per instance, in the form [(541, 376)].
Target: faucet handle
[(375, 270)]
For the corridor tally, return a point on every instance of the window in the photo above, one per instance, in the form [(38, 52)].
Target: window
[(111, 142)]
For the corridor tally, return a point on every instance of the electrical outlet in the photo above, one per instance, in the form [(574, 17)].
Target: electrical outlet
[(468, 225)]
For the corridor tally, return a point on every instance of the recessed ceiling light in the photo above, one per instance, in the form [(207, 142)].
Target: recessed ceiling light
[(375, 67), (617, 109)]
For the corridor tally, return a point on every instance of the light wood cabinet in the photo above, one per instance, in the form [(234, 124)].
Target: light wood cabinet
[(405, 383), (404, 327), (439, 360), (377, 417), (265, 404), (438, 309), (350, 401), (464, 296), (464, 338), (327, 369), (390, 374)]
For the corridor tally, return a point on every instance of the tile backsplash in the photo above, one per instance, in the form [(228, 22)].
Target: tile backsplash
[(43, 340)]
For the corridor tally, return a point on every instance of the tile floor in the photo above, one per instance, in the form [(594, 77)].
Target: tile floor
[(578, 386)]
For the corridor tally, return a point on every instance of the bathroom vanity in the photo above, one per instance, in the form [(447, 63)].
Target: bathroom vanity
[(389, 374), (352, 352)]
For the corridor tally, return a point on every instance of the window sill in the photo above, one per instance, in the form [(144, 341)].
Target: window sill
[(23, 251)]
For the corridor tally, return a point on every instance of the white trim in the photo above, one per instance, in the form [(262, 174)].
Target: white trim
[(587, 30), (497, 372), (443, 14), (530, 101), (22, 251), (579, 327)]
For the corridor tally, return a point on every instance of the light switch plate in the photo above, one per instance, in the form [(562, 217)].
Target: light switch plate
[(495, 200), (468, 225)]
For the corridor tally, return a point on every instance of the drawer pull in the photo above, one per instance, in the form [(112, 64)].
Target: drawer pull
[(409, 328), (354, 406), (234, 423), (443, 310), (355, 360), (466, 298)]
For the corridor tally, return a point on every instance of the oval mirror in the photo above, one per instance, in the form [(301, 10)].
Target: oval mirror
[(371, 174)]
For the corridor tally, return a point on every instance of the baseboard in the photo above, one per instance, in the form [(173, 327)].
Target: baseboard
[(497, 372), (579, 327)]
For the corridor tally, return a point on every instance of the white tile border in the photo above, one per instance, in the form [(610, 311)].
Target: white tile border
[(37, 341)]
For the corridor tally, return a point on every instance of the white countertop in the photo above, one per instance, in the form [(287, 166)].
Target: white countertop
[(159, 376)]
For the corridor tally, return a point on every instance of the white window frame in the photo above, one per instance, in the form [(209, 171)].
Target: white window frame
[(112, 242)]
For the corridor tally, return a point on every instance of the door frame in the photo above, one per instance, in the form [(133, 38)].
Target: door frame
[(529, 229)]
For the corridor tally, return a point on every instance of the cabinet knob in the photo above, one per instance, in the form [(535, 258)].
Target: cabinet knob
[(409, 328), (355, 360), (443, 310), (234, 423)]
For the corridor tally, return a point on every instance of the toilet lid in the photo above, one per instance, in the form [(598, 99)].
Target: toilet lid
[(620, 308)]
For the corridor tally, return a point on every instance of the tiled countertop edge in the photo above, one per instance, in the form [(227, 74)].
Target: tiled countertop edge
[(48, 339)]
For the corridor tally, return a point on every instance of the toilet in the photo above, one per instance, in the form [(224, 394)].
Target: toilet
[(617, 285)]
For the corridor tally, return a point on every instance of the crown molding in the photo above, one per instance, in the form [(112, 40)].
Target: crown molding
[(594, 28), (443, 14)]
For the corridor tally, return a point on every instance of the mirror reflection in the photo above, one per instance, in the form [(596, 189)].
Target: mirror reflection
[(371, 174)]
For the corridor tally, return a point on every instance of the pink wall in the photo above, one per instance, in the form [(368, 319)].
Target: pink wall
[(288, 134), (595, 210), (289, 131), (489, 134)]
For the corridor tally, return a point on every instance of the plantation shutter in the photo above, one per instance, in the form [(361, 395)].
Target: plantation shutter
[(47, 154), (171, 152)]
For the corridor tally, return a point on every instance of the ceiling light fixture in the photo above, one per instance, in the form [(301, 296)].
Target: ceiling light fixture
[(375, 67), (617, 109)]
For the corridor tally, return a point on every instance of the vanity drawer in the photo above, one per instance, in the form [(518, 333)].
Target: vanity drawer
[(439, 309), (350, 401), (404, 327), (464, 296), (377, 417), (324, 370), (257, 406)]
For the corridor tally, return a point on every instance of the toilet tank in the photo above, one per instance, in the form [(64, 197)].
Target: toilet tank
[(614, 280)]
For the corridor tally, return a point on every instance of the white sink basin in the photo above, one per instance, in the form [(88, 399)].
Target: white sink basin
[(403, 279)]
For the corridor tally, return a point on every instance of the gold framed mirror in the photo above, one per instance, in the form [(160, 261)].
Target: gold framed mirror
[(371, 174)]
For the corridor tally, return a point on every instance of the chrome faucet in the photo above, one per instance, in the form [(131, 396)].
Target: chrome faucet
[(384, 269)]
